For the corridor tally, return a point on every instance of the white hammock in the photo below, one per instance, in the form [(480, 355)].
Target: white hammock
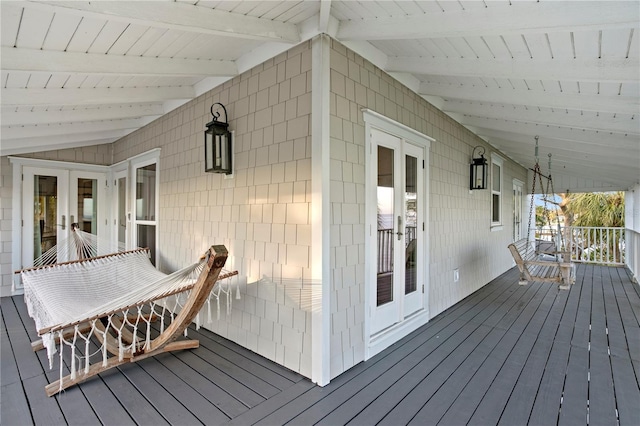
[(114, 298)]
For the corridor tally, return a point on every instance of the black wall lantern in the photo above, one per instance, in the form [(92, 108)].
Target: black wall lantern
[(218, 150), (478, 170)]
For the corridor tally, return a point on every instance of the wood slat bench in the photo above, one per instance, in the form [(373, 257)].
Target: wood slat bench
[(532, 268)]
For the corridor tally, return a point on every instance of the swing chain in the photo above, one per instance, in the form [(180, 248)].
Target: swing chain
[(536, 171)]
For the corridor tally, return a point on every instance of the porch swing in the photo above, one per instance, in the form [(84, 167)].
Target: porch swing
[(541, 260)]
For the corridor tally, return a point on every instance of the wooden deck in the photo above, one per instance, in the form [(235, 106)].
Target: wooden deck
[(507, 354)]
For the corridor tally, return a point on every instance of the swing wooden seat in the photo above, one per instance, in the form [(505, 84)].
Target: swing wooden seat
[(532, 268)]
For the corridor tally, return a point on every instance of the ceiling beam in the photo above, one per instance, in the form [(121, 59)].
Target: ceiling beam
[(324, 15), (582, 102), (566, 148), (594, 168), (20, 59), (45, 146), (558, 118), (177, 16), (513, 18), (97, 96), (43, 130), (115, 112), (606, 139), (623, 70), (37, 144)]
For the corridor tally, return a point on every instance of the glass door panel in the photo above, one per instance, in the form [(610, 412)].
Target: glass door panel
[(386, 215), (145, 208), (45, 214), (87, 207), (411, 223), (146, 193), (413, 200), (399, 270), (122, 211)]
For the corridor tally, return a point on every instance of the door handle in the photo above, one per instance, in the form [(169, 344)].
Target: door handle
[(399, 234), (64, 222)]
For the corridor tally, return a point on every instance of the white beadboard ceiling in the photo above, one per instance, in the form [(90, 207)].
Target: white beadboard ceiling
[(78, 73)]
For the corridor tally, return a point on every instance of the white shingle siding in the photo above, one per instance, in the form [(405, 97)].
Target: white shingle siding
[(459, 227), (262, 214)]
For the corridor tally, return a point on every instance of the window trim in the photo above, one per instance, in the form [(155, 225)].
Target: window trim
[(498, 161)]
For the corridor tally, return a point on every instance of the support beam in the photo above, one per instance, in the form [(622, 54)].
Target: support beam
[(26, 146), (603, 70), (176, 16), (588, 167), (97, 96), (323, 18), (48, 130), (606, 139), (561, 117), (496, 19), (115, 112), (582, 102), (20, 59), (623, 155)]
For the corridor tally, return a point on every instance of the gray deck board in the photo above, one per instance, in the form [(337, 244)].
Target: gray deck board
[(158, 396), (282, 379), (14, 407), (506, 354), (466, 403), (490, 409), (193, 401), (520, 402), (9, 368), (428, 341)]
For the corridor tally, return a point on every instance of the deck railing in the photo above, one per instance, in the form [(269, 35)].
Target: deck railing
[(598, 245), (385, 247)]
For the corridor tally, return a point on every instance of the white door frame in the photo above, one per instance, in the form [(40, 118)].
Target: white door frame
[(18, 196), (374, 343)]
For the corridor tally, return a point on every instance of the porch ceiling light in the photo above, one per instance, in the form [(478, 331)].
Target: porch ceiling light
[(478, 170), (218, 149)]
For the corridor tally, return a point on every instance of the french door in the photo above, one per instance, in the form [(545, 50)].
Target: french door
[(53, 199), (398, 290)]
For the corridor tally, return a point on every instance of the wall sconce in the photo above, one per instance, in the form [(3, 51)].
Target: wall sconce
[(218, 150), (478, 170)]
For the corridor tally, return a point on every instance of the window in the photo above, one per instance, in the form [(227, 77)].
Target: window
[(143, 204), (496, 190)]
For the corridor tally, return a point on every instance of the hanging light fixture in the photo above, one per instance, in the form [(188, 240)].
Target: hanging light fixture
[(218, 150), (478, 170)]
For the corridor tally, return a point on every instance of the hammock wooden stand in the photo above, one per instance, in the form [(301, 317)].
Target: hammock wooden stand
[(216, 258), (533, 269)]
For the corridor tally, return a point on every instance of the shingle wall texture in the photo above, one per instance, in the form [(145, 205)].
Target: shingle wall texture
[(262, 214), (460, 235)]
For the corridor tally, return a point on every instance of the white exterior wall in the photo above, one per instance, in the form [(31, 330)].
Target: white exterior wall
[(459, 228), (262, 214)]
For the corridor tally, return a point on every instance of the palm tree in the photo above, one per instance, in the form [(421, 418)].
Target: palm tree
[(603, 209), (597, 209)]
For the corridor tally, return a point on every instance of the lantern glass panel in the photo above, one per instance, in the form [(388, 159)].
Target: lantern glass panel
[(208, 151)]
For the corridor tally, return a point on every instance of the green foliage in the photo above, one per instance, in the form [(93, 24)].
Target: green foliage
[(541, 219), (602, 209)]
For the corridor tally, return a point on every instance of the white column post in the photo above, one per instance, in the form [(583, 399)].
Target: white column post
[(320, 210)]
